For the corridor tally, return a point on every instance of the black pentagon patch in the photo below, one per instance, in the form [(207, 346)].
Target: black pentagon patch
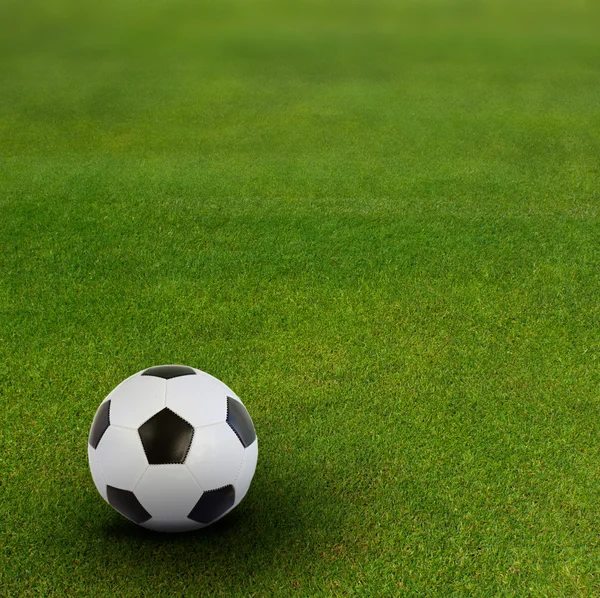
[(127, 504), (213, 504), (100, 424), (169, 371), (166, 438), (239, 421)]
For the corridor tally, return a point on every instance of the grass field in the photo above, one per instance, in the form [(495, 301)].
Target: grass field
[(379, 222)]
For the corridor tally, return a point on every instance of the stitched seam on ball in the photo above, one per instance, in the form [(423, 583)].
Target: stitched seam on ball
[(139, 480), (191, 439), (230, 426), (240, 467), (187, 452)]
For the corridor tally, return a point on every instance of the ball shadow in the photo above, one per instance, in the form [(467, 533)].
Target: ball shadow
[(271, 521)]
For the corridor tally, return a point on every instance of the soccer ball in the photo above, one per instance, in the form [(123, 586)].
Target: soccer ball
[(172, 449)]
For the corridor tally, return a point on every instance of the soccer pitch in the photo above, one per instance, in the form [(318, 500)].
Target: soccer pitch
[(378, 222)]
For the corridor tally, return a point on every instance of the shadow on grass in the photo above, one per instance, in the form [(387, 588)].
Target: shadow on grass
[(275, 522)]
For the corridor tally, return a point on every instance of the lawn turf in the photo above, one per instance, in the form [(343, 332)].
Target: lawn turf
[(378, 222)]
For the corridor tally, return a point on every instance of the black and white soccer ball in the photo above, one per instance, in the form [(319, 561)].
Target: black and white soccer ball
[(172, 448)]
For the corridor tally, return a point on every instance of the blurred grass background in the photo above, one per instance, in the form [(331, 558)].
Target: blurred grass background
[(377, 221)]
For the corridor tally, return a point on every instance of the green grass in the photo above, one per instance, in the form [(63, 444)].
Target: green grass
[(378, 222)]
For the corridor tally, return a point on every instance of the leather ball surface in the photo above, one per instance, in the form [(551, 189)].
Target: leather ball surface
[(172, 448)]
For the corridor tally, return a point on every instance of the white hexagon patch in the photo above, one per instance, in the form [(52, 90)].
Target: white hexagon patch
[(215, 456), (197, 400), (246, 471), (168, 491), (97, 474), (121, 457), (136, 400)]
